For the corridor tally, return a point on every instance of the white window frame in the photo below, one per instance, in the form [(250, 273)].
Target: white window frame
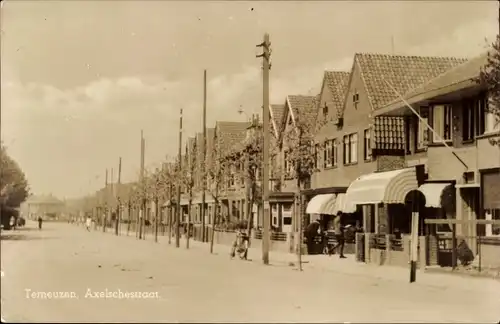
[(353, 146), (335, 152), (489, 215), (442, 118), (327, 155), (422, 130), (367, 150), (350, 148)]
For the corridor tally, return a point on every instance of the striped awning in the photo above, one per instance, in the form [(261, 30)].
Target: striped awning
[(335, 205), (433, 193), (389, 187), (318, 203)]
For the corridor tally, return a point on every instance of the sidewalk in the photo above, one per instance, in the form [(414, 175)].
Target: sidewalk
[(334, 264)]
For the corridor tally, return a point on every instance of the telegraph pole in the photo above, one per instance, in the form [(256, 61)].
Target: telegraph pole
[(204, 158), (179, 168), (105, 211), (266, 66), (118, 207)]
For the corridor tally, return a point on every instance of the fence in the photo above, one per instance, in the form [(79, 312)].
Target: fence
[(477, 252)]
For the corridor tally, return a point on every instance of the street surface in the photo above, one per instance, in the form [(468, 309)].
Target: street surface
[(178, 285)]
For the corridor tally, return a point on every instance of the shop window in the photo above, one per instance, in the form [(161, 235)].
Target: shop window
[(492, 229)]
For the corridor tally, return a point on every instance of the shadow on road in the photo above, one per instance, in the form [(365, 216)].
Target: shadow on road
[(21, 237)]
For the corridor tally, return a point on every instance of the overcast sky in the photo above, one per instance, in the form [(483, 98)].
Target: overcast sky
[(81, 79)]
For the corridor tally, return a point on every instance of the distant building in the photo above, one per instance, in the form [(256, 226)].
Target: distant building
[(48, 207)]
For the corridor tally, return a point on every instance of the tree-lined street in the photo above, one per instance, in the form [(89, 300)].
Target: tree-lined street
[(193, 285)]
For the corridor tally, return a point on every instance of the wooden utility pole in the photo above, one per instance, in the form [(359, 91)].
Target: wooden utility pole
[(204, 158), (179, 168), (118, 207), (105, 209), (266, 60), (142, 209)]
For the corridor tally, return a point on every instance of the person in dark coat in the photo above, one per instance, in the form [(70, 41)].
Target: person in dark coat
[(311, 231), (339, 235), (40, 221)]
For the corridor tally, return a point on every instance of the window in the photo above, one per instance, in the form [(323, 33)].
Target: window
[(330, 154), (367, 150), (422, 130), (325, 110), (351, 148), (355, 99), (473, 118), (442, 122), (492, 214)]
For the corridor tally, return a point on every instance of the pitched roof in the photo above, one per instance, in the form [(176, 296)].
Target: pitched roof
[(337, 83), (303, 108), (277, 112), (402, 72), (229, 134), (464, 72)]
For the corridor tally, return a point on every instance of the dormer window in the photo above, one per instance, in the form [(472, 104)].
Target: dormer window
[(355, 99), (325, 110)]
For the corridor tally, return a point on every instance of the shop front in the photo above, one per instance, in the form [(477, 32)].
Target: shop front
[(322, 209), (386, 200)]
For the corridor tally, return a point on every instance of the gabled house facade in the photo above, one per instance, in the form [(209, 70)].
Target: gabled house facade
[(450, 139)]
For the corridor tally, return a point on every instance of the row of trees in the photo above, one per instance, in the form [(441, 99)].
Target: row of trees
[(14, 187)]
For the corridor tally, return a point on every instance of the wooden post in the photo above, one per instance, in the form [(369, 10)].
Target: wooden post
[(179, 168), (118, 207), (414, 246), (204, 158), (454, 246), (265, 179)]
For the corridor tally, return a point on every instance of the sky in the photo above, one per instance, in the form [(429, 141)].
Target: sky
[(81, 79)]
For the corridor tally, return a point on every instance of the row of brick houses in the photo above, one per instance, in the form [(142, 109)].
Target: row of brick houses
[(372, 151)]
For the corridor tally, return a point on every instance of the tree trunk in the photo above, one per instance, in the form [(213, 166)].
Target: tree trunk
[(170, 211), (128, 217), (156, 219), (214, 224), (250, 203), (188, 220), (299, 220)]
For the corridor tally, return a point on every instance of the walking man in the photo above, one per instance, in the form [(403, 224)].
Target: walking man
[(40, 220), (339, 235)]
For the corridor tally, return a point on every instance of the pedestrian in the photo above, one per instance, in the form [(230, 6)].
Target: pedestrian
[(312, 230), (40, 220), (88, 223), (339, 235)]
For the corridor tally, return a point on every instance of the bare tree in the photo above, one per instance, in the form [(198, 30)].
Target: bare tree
[(300, 156), (248, 160), (215, 173), (186, 178), (490, 77)]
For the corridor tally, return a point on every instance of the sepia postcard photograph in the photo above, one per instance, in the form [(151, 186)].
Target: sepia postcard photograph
[(206, 161)]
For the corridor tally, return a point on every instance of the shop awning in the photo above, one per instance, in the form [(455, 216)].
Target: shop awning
[(335, 204), (317, 204), (433, 193), (389, 187)]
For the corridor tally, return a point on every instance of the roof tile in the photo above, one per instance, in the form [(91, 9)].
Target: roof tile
[(304, 108), (402, 72), (337, 83)]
